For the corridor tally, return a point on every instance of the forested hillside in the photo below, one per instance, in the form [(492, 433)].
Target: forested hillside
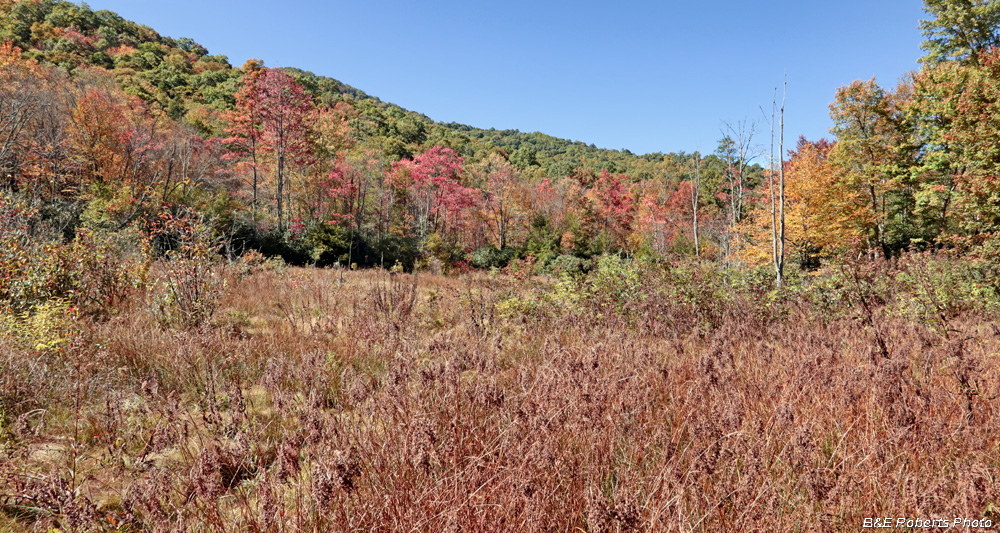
[(352, 172)]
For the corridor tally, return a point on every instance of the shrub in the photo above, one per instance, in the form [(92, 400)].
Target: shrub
[(569, 264), (249, 264), (439, 255), (491, 257), (49, 328), (109, 266), (190, 279), (939, 288), (33, 270), (616, 283)]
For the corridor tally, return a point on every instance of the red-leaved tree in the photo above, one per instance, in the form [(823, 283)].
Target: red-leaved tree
[(270, 120), (438, 201)]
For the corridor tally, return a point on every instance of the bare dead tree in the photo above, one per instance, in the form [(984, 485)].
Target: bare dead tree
[(738, 152), (777, 197), (779, 263)]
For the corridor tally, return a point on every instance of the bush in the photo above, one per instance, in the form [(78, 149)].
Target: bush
[(942, 287), (616, 284), (324, 244), (489, 257), (33, 270), (50, 328), (109, 266), (569, 264), (190, 280)]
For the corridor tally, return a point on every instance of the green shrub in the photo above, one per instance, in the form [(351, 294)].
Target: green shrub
[(568, 264), (489, 257), (942, 287), (616, 282), (33, 269)]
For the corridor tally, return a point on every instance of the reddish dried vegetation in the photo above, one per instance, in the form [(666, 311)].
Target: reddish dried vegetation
[(638, 399)]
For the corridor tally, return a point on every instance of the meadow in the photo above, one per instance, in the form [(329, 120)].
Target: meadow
[(643, 396)]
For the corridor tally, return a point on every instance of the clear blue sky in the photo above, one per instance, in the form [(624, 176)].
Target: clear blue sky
[(647, 76)]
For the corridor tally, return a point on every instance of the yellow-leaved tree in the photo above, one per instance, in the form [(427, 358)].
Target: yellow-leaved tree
[(823, 214)]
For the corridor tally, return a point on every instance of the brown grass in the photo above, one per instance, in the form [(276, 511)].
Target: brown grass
[(484, 404)]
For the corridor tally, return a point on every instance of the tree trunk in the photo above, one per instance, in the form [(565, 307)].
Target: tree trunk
[(774, 208), (281, 189), (253, 204), (781, 188), (695, 193)]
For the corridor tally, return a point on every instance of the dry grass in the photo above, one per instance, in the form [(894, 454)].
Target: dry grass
[(485, 404)]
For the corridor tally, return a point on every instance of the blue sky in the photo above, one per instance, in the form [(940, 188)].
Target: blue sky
[(647, 76)]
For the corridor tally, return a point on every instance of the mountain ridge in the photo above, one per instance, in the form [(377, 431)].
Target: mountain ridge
[(195, 86)]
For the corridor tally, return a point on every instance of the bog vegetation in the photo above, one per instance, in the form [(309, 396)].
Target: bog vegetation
[(255, 299)]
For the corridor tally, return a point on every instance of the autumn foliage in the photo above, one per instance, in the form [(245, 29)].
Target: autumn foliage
[(496, 331)]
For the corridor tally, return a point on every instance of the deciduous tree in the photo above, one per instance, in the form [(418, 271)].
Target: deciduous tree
[(874, 154), (283, 108), (960, 30)]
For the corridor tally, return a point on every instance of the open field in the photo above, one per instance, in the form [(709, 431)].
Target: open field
[(323, 400)]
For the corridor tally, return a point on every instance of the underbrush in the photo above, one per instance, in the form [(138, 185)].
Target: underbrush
[(639, 396)]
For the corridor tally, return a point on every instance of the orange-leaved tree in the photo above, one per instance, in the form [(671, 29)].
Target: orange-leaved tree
[(824, 212)]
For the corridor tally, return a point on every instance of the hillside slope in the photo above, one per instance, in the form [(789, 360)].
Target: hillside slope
[(183, 78)]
